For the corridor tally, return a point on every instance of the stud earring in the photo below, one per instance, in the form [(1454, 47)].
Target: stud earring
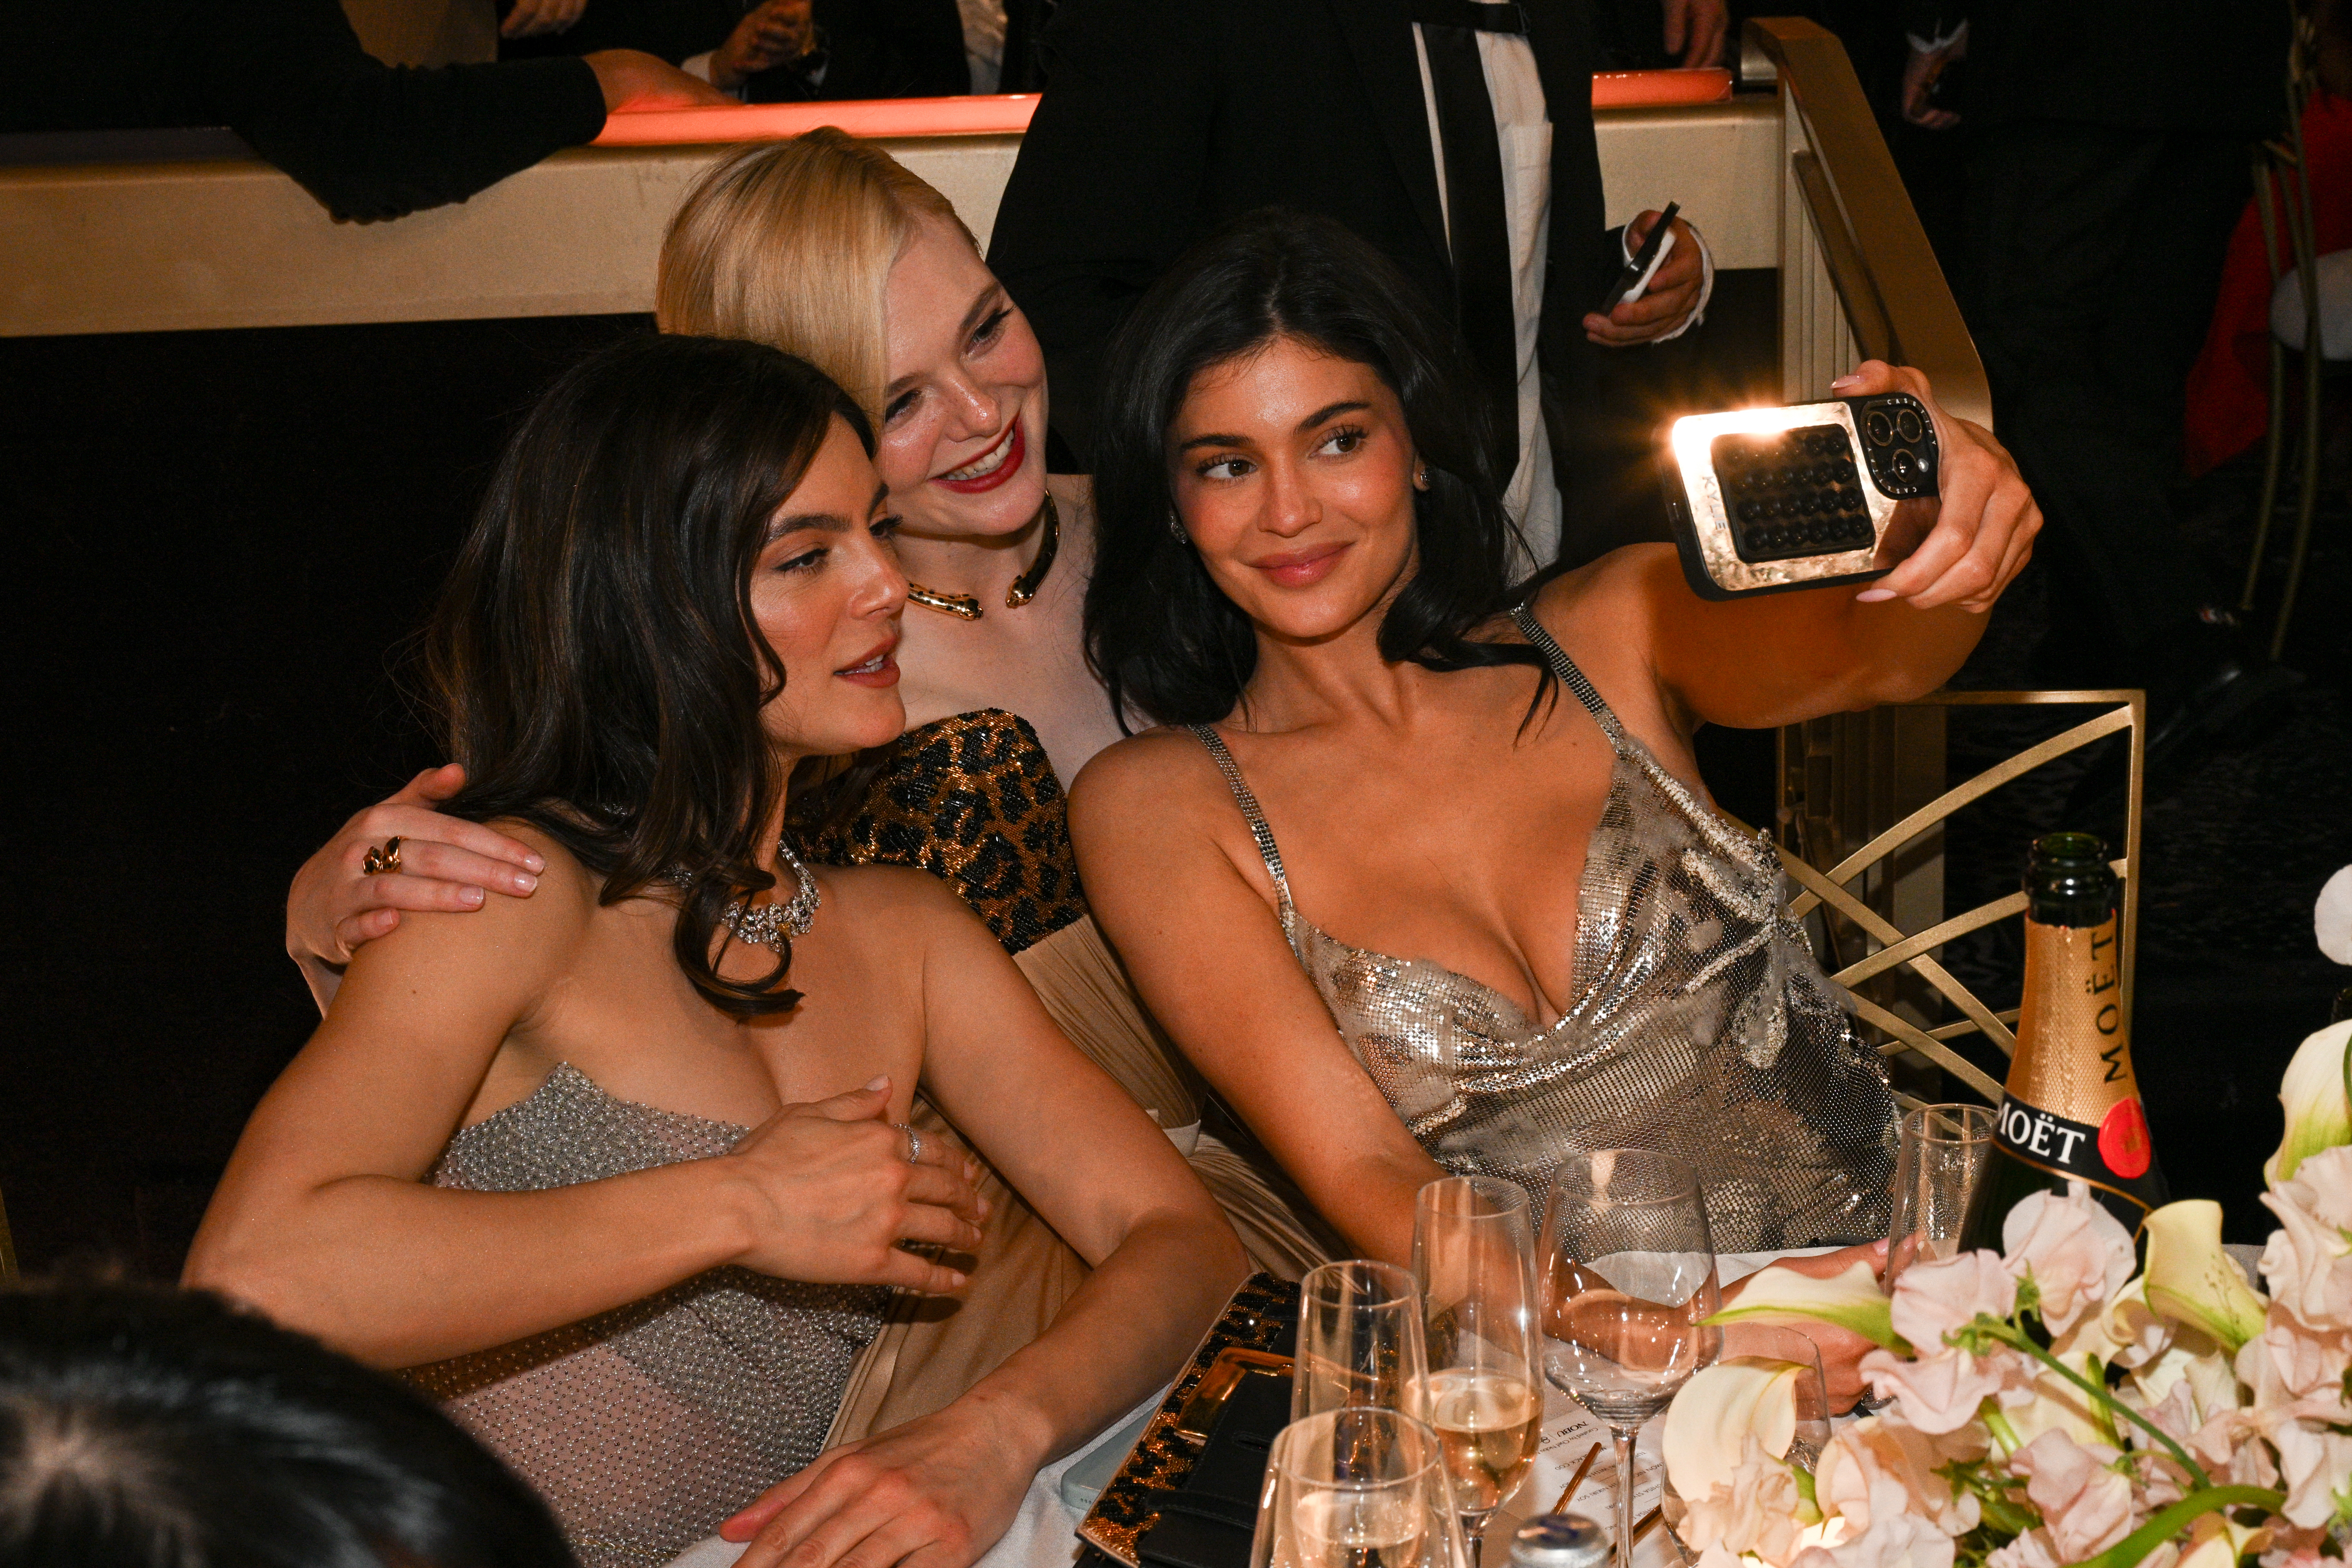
[(1421, 475), (1176, 527)]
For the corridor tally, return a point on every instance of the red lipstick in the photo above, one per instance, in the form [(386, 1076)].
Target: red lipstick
[(1013, 451)]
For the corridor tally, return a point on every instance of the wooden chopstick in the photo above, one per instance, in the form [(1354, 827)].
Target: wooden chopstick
[(1568, 1493)]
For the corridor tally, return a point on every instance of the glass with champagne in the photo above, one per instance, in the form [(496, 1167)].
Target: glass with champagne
[(1474, 1261)]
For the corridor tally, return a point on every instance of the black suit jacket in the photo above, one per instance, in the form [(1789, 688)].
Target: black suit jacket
[(370, 141), (1161, 121), (2212, 65)]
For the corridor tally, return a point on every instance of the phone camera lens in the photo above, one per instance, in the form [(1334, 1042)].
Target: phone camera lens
[(1908, 426), (1878, 427), (1905, 466)]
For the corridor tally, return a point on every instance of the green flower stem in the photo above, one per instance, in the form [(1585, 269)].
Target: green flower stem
[(2016, 1338), (1998, 1425), (2127, 1552)]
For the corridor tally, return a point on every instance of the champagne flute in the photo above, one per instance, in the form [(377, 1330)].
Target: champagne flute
[(1473, 1259), (1356, 1487), (1942, 1157), (1629, 1281), (1359, 1339)]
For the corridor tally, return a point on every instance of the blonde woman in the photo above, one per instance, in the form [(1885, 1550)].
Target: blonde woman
[(828, 248)]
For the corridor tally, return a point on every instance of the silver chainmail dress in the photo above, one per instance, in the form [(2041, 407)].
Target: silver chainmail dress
[(1700, 1024), (646, 1426)]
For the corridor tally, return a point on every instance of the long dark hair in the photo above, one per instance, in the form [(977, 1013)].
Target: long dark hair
[(143, 1427), (597, 665), (1161, 635)]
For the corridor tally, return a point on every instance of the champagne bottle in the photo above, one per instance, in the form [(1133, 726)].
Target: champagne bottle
[(2071, 1109)]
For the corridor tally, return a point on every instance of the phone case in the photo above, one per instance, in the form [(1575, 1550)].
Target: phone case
[(1764, 500)]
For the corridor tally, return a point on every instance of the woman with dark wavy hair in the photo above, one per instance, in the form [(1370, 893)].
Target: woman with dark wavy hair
[(1460, 822), (620, 1171)]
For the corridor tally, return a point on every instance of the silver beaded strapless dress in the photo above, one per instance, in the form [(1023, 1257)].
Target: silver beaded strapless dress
[(1699, 1024), (646, 1426)]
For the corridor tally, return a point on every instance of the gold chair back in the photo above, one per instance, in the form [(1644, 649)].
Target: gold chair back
[(1873, 913)]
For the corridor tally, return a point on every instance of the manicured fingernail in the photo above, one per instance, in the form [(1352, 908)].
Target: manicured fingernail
[(536, 863), (1874, 595), (526, 883), (469, 896), (881, 1082), (1844, 382)]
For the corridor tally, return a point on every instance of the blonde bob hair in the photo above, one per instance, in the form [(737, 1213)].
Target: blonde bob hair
[(789, 244)]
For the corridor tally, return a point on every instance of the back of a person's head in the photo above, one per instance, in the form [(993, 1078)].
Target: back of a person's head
[(790, 244), (143, 1427)]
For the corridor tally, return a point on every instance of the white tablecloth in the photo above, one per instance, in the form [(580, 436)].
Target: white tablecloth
[(1043, 1534)]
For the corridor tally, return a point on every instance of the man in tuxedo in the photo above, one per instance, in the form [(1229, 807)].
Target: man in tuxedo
[(1456, 135)]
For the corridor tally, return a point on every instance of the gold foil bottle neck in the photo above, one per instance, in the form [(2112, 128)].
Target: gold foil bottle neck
[(2073, 1053)]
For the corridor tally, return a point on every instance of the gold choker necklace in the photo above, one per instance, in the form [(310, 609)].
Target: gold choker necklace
[(965, 607)]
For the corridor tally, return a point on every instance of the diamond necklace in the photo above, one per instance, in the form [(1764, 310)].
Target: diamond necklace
[(966, 606), (771, 926)]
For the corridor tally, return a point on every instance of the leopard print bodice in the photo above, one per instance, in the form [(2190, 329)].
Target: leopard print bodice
[(973, 799)]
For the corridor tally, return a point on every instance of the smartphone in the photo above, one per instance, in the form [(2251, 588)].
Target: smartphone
[(1763, 500), (1636, 272)]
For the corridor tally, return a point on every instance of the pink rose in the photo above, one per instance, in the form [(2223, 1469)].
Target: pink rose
[(1893, 1540), (2308, 1263), (1933, 1300), (1757, 1513), (2085, 1506), (1940, 1394), (1882, 1463), (2316, 1468), (2072, 1249)]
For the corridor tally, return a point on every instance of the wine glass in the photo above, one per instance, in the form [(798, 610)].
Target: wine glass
[(1359, 1339), (1943, 1153), (1356, 1487), (1629, 1281), (1473, 1259)]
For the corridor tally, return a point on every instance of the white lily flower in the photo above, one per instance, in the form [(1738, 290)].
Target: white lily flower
[(2192, 1281), (1710, 1421), (2315, 1093), (1850, 1299)]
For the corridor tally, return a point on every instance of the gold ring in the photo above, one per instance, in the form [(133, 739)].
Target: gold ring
[(384, 860)]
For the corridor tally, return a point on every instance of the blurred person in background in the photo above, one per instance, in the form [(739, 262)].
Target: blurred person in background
[(764, 51), (2108, 159), (1457, 137), (369, 141), (143, 1427)]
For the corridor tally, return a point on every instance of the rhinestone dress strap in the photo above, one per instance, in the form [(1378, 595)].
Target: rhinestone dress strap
[(1570, 675), (1258, 827)]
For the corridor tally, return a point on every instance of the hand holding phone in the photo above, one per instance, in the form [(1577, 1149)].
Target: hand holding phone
[(1764, 499), (1633, 278)]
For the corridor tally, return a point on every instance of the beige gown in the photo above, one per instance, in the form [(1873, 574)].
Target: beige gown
[(973, 800)]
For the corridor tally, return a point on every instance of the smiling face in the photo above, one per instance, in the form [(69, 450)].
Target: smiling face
[(964, 410), (1293, 472), (827, 592)]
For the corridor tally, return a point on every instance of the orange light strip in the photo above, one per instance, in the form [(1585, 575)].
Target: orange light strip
[(1008, 113)]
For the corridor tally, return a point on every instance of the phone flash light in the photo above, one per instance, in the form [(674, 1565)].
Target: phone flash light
[(1767, 499)]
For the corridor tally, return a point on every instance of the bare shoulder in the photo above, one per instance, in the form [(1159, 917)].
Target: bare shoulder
[(551, 920), (902, 906), (503, 956), (1615, 594), (1145, 778)]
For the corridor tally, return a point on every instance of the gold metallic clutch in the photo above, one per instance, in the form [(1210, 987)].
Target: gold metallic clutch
[(1253, 1337)]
